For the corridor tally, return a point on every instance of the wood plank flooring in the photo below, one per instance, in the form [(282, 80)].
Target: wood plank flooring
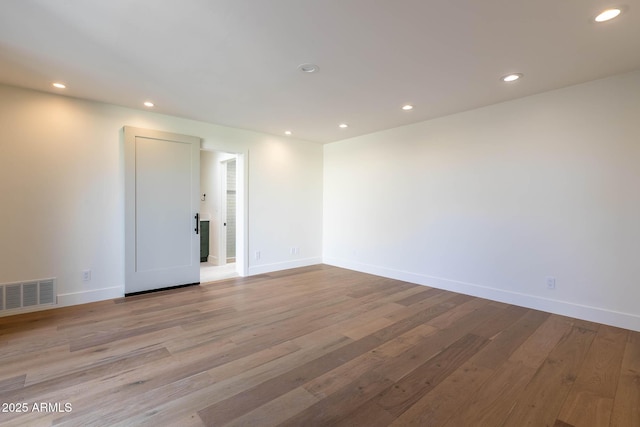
[(315, 346)]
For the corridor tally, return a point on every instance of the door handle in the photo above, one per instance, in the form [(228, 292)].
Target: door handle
[(197, 217)]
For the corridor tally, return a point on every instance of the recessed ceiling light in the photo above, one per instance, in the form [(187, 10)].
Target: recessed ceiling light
[(607, 15), (407, 107), (308, 68), (343, 125), (287, 132), (511, 77), (149, 104), (59, 85)]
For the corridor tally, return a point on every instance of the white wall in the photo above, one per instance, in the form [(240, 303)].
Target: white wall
[(492, 201), (62, 191)]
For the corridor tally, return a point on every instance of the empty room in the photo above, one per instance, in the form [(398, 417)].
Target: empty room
[(319, 213)]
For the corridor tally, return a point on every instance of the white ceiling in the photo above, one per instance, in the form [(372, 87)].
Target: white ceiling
[(234, 62)]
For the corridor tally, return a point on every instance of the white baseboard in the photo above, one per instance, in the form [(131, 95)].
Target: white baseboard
[(212, 260), (268, 268), (564, 308), (90, 296)]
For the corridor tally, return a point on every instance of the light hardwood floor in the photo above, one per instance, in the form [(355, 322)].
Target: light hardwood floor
[(315, 346)]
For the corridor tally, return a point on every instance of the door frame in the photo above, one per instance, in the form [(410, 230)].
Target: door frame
[(224, 209), (242, 206)]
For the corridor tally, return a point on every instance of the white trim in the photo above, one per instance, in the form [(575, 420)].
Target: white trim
[(242, 252), (212, 259), (268, 268), (580, 311), (90, 296)]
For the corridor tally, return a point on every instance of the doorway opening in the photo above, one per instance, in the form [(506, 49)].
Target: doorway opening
[(229, 208), (222, 199)]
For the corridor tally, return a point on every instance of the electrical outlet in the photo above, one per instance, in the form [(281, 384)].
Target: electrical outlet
[(257, 255), (551, 282), (86, 275)]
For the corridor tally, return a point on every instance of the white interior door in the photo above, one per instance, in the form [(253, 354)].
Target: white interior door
[(162, 186)]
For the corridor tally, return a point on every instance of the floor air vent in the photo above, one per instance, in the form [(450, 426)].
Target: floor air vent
[(24, 295)]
